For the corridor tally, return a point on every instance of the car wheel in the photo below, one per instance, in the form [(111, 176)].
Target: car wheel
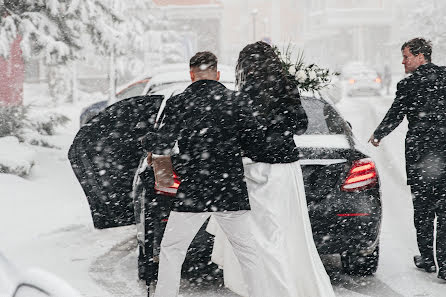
[(355, 264), (142, 264)]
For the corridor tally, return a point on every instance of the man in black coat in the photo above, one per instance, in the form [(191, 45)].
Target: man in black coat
[(212, 126), (421, 98)]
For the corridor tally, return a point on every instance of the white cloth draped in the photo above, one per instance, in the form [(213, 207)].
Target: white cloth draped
[(282, 230)]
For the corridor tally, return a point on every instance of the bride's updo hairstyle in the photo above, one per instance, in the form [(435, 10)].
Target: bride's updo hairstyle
[(259, 72)]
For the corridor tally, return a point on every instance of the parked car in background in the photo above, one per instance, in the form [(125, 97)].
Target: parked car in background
[(15, 282), (358, 79), (341, 182)]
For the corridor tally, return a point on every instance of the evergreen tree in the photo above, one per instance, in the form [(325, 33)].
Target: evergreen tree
[(60, 30)]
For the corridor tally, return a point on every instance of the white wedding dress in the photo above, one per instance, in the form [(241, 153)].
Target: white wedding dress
[(282, 229)]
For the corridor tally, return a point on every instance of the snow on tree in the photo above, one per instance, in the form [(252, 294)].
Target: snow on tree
[(172, 49), (61, 30), (428, 21)]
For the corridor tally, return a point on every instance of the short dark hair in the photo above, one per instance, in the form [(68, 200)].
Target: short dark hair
[(419, 46), (204, 61)]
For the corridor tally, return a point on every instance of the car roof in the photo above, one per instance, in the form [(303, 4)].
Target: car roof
[(352, 64), (128, 85), (357, 66), (169, 68)]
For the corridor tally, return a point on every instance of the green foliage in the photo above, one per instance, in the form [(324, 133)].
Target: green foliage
[(13, 119), (17, 121), (48, 127)]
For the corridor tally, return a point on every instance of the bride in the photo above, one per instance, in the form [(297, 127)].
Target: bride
[(281, 224)]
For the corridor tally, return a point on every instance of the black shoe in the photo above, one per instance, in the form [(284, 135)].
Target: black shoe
[(422, 263), (442, 274)]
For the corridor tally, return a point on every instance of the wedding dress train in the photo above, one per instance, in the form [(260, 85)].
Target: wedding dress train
[(281, 226)]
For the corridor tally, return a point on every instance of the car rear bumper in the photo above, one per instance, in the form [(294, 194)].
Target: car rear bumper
[(347, 224), (363, 88)]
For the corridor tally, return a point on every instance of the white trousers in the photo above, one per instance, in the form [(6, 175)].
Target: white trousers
[(180, 231)]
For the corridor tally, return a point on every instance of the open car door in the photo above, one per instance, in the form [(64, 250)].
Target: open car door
[(105, 155)]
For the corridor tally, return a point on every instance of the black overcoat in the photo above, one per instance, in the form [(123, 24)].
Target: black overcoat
[(421, 98), (212, 125)]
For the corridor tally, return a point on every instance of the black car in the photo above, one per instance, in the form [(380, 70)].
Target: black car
[(342, 188), (341, 185)]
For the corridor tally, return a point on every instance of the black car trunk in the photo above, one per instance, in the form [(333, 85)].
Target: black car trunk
[(321, 179), (324, 173), (323, 170)]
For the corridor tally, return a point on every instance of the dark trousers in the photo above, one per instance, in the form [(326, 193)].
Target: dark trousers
[(429, 201)]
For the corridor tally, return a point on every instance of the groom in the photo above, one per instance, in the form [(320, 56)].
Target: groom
[(421, 99), (212, 126)]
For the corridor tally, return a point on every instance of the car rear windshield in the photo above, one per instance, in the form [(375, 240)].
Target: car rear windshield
[(322, 118), (134, 90)]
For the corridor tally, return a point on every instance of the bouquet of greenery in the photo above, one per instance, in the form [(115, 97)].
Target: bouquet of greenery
[(309, 77)]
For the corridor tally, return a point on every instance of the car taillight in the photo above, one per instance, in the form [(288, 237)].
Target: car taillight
[(362, 175), (176, 181), (360, 214), (378, 80), (169, 191)]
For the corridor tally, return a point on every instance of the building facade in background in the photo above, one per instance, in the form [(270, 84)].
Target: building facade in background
[(339, 31), (279, 22), (182, 28), (358, 30), (331, 33)]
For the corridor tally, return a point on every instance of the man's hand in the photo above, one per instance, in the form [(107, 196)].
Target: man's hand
[(374, 141), (149, 158)]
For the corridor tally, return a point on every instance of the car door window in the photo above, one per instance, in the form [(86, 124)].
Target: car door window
[(322, 118), (335, 123), (132, 91)]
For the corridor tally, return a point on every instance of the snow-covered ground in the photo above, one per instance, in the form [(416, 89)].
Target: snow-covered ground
[(45, 220)]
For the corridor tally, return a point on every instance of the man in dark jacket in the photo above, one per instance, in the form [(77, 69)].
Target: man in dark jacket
[(421, 98), (212, 126)]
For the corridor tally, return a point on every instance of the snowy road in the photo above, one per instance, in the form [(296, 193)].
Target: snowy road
[(46, 223)]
